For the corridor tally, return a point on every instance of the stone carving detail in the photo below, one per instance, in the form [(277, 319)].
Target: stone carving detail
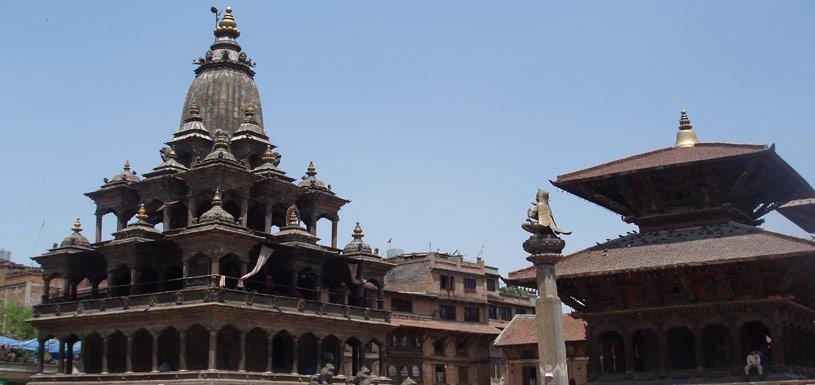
[(103, 304), (346, 311), (152, 301), (125, 303), (301, 305), (363, 377), (276, 303), (324, 376), (179, 298), (367, 313), (57, 310), (250, 299)]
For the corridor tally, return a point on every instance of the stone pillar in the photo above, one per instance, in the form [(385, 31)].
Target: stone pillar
[(46, 288), (61, 357), (105, 341), (155, 350), (664, 354), (244, 211), (334, 233), (165, 218), (380, 298), (134, 281), (699, 348), (66, 289), (41, 355), (182, 350), (269, 355), (242, 359), (294, 368), (99, 227), (545, 248), (213, 346), (190, 210), (94, 289), (214, 266), (69, 364), (312, 226), (628, 340), (777, 345), (267, 226), (129, 354), (121, 222), (319, 353)]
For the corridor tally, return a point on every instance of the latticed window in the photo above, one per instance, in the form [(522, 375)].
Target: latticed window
[(404, 372), (416, 372), (391, 371)]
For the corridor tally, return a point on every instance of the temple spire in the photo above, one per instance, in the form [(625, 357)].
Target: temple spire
[(686, 137), (77, 227)]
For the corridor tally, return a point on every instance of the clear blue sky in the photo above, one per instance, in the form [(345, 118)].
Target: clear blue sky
[(439, 119)]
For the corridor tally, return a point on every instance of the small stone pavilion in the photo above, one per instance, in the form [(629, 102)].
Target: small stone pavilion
[(183, 293), (687, 297)]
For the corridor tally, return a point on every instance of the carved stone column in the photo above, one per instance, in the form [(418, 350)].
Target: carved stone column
[(268, 223), (545, 250), (165, 218), (182, 350), (244, 211), (628, 340), (699, 348), (380, 298), (213, 342), (66, 288), (121, 221), (129, 354), (40, 355), (664, 357), (190, 210), (269, 355), (46, 288), (99, 227), (105, 342), (778, 345), (134, 280), (155, 351), (294, 360), (69, 351), (242, 358), (334, 233), (312, 225), (61, 357)]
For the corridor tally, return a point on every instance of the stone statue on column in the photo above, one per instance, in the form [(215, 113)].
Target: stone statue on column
[(545, 248)]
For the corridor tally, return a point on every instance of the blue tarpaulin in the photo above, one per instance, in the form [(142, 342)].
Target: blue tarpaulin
[(51, 346)]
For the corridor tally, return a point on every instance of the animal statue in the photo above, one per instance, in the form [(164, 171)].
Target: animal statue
[(540, 215), (363, 377), (165, 153), (324, 377)]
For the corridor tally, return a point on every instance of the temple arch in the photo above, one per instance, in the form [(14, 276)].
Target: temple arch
[(141, 351), (196, 346), (352, 356), (331, 352), (228, 348), (282, 352), (681, 346), (307, 354), (169, 349), (93, 349), (257, 350), (717, 346), (646, 350), (612, 352), (117, 352)]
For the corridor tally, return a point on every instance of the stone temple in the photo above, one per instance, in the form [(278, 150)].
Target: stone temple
[(194, 297)]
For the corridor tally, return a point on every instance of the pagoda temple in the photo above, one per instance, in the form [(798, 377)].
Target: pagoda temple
[(219, 275), (700, 286)]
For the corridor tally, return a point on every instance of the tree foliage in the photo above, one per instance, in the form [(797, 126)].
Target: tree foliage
[(14, 316)]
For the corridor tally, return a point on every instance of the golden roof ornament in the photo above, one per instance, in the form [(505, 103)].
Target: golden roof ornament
[(216, 199), (142, 214), (311, 170), (77, 227), (358, 232), (539, 217), (292, 217), (127, 165), (268, 155), (227, 27), (686, 137)]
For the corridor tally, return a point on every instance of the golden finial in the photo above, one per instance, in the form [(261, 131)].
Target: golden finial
[(142, 214), (686, 137), (221, 140), (358, 232), (194, 110), (311, 170), (268, 155), (77, 228), (227, 27), (292, 216), (216, 199)]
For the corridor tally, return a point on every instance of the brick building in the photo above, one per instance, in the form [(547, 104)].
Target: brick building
[(20, 283)]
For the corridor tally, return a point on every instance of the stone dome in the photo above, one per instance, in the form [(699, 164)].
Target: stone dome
[(126, 176), (357, 246), (217, 212), (76, 239), (224, 82)]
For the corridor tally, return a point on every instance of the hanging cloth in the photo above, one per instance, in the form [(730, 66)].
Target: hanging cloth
[(265, 253)]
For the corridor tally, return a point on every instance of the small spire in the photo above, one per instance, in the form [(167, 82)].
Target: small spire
[(142, 214), (127, 165), (292, 216), (227, 27), (684, 122), (311, 170), (686, 137), (268, 155), (358, 232), (216, 199), (194, 110), (77, 227), (221, 140)]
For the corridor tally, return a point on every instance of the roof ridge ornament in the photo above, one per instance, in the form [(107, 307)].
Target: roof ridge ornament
[(686, 137), (77, 227)]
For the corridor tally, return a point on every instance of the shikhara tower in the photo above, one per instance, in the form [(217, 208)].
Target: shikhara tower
[(165, 305)]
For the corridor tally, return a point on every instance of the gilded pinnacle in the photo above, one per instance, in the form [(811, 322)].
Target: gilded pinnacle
[(216, 199), (684, 122), (127, 165), (142, 214), (77, 228), (358, 232), (686, 137), (268, 155), (227, 27)]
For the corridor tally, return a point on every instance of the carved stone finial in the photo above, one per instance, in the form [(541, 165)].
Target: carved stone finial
[(77, 227), (127, 165), (358, 232), (217, 200), (194, 110), (686, 137), (293, 216), (227, 27), (142, 214), (311, 170)]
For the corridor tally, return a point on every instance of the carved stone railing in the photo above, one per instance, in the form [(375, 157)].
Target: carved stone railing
[(201, 290), (187, 377)]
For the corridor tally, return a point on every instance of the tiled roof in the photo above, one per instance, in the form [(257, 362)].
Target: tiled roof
[(459, 327), (523, 330), (732, 242), (801, 212), (664, 157)]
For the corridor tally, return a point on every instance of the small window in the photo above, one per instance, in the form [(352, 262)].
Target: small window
[(520, 311), (469, 285), (441, 378), (404, 342), (447, 282), (402, 305), (438, 347), (491, 284), (463, 375), (471, 314), (417, 343), (392, 371), (404, 372), (506, 313), (461, 346), (447, 312), (528, 354), (416, 372), (393, 341), (493, 311)]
